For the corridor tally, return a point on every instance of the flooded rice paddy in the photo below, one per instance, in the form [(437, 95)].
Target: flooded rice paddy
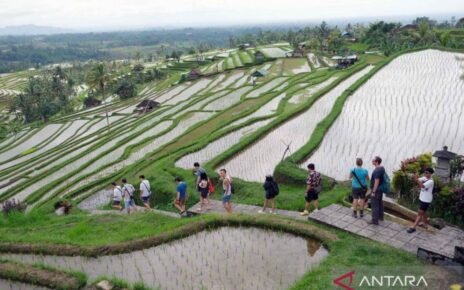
[(225, 258)]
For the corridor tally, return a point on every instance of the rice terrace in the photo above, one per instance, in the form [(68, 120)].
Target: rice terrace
[(245, 153)]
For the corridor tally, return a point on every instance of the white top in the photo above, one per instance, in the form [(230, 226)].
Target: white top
[(128, 190), (145, 188), (426, 193), (117, 193), (227, 189)]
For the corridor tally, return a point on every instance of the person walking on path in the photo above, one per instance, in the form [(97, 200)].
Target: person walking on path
[(313, 188), (425, 184), (271, 191), (359, 179), (117, 196), (181, 195), (377, 178), (227, 186), (145, 191), (197, 171), (203, 188), (128, 190)]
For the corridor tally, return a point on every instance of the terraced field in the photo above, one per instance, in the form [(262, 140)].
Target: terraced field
[(412, 106), (221, 120)]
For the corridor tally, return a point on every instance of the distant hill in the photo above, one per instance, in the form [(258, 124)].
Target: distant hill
[(31, 30)]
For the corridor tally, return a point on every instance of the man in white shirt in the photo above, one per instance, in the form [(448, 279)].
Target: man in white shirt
[(425, 184), (128, 191), (117, 196), (145, 191)]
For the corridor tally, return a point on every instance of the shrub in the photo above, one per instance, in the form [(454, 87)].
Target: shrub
[(13, 205), (125, 89), (402, 181), (449, 205)]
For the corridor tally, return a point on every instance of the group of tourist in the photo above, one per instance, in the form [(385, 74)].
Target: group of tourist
[(125, 192), (379, 182), (363, 188), (204, 185)]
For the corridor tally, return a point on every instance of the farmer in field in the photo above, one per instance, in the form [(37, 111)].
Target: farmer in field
[(128, 190), (203, 187), (377, 178), (227, 186), (359, 179), (425, 184), (117, 196), (181, 195), (145, 191), (313, 188), (271, 190)]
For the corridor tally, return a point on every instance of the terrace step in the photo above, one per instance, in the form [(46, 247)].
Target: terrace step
[(139, 210)]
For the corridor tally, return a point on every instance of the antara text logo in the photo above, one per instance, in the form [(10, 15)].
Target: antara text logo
[(345, 281)]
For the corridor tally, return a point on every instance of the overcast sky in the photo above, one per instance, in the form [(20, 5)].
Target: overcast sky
[(152, 13)]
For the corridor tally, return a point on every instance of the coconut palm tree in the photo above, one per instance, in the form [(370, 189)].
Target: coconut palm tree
[(98, 79)]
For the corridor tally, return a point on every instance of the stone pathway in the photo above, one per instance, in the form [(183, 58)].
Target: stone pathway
[(216, 207), (441, 242)]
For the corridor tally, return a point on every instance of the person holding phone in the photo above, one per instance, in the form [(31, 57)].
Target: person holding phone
[(425, 184)]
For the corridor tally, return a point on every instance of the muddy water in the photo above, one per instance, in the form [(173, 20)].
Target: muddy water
[(12, 285), (225, 258)]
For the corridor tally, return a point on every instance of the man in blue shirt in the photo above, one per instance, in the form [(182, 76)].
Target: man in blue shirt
[(181, 196), (359, 179)]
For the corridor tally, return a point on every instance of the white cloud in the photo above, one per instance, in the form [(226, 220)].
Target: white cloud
[(130, 13)]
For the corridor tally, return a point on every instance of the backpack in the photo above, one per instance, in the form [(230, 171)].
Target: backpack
[(385, 186), (275, 187), (211, 188)]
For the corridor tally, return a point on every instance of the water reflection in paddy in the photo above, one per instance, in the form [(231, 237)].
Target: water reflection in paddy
[(224, 258)]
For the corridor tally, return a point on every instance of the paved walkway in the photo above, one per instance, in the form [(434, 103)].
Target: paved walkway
[(441, 242), (216, 207)]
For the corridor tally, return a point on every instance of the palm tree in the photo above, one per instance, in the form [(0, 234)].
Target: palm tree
[(98, 79)]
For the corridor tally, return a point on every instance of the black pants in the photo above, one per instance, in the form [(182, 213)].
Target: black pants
[(377, 207)]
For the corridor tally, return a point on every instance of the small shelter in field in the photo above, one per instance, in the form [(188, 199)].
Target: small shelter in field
[(443, 166), (259, 73), (298, 52), (408, 27), (146, 106), (194, 74), (259, 56), (244, 46)]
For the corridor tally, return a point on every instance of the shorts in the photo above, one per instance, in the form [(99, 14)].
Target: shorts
[(311, 195), (226, 198), (204, 194), (129, 203), (145, 199), (359, 193), (116, 202), (270, 195), (424, 205), (181, 200)]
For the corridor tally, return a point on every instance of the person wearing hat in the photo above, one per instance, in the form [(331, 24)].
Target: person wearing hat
[(425, 184)]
